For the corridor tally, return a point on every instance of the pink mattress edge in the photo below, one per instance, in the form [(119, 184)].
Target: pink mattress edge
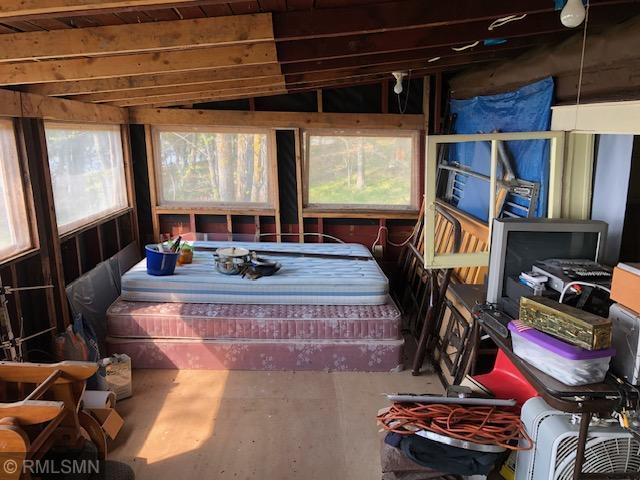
[(128, 319), (261, 355)]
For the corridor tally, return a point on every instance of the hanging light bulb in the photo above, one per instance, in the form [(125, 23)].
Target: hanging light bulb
[(398, 86), (573, 13)]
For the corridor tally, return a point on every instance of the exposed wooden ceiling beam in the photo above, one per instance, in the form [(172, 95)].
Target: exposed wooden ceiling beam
[(304, 82), (202, 97), (118, 39), (249, 72), (412, 65), (20, 9), (457, 35), (156, 80), (420, 53), (63, 109), (214, 89), (276, 80), (176, 116), (350, 82), (399, 15), (137, 64)]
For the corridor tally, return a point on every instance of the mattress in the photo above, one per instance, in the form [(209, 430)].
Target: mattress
[(265, 355), (128, 319), (301, 280)]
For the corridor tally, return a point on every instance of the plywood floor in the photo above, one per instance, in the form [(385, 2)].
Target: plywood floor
[(257, 425)]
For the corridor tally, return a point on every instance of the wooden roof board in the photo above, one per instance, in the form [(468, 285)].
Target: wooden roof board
[(346, 40)]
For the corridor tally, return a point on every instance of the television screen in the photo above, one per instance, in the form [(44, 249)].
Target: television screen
[(526, 247)]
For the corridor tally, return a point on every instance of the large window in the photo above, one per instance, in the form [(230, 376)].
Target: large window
[(213, 167), (87, 172), (372, 170), (15, 231)]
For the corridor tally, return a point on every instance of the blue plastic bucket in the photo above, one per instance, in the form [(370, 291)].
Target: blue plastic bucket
[(160, 263)]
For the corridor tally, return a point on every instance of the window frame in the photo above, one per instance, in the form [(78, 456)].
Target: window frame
[(213, 207), (318, 208), (89, 222), (433, 259), (27, 194)]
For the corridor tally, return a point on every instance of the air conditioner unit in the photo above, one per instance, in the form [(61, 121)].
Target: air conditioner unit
[(609, 448)]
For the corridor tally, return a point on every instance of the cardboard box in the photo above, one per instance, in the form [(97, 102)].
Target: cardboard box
[(625, 285), (109, 419)]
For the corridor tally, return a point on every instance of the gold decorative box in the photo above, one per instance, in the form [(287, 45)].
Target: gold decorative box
[(570, 324)]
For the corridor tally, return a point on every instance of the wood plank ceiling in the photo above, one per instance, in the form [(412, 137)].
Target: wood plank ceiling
[(180, 52)]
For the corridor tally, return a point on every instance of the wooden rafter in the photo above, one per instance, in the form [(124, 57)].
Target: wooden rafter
[(407, 65), (137, 64), (225, 86), (47, 8), (187, 94), (143, 37), (340, 67), (175, 62), (426, 53), (207, 95), (400, 15), (156, 80), (203, 97), (454, 36)]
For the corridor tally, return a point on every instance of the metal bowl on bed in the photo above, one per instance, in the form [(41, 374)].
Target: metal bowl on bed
[(231, 260)]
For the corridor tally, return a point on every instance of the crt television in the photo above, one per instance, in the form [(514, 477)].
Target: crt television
[(517, 243)]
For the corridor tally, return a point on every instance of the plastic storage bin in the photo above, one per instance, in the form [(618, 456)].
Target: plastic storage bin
[(160, 263), (566, 363)]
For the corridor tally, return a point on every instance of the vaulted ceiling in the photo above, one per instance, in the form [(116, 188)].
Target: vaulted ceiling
[(171, 52)]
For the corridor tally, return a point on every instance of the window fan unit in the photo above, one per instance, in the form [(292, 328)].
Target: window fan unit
[(609, 448)]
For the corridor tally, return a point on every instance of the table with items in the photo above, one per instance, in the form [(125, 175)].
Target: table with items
[(595, 391)]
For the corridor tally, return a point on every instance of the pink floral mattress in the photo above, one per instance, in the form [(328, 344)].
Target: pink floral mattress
[(318, 355), (210, 321)]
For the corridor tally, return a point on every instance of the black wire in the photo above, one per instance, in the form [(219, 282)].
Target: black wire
[(406, 98)]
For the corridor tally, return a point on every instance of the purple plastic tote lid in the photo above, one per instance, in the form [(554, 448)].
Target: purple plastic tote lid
[(557, 346)]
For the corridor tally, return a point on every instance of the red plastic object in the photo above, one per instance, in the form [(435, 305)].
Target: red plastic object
[(505, 381)]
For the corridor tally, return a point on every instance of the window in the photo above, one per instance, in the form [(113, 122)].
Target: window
[(213, 167), (361, 170), (87, 172), (15, 229)]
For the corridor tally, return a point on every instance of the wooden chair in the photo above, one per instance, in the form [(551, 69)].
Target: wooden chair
[(49, 416)]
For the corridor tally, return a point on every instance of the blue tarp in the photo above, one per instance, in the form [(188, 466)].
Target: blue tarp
[(523, 110)]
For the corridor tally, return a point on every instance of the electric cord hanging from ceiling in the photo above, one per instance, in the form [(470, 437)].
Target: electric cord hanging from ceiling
[(582, 55), (406, 98)]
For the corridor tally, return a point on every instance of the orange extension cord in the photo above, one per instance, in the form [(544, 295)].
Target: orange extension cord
[(483, 425)]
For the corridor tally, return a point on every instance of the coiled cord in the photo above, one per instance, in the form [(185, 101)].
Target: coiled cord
[(483, 425)]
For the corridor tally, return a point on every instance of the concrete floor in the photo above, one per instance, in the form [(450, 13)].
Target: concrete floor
[(264, 425)]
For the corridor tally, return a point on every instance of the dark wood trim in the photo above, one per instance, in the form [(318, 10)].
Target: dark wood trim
[(19, 257), (35, 147), (95, 223), (352, 213)]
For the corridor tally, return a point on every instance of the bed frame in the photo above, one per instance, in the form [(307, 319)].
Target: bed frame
[(421, 293)]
